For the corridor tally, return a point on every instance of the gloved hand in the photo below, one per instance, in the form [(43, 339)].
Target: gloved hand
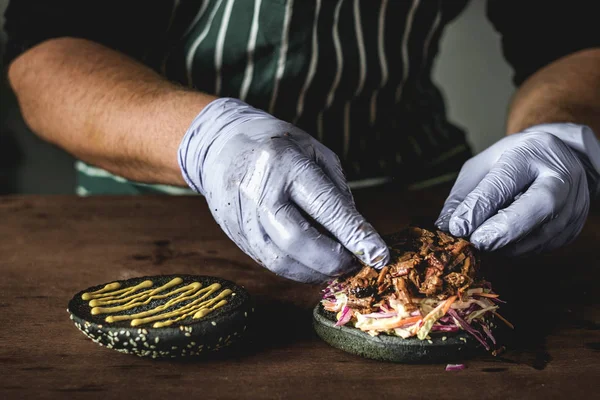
[(258, 174), (527, 193)]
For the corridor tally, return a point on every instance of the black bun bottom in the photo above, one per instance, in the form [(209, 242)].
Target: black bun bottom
[(222, 327), (443, 347)]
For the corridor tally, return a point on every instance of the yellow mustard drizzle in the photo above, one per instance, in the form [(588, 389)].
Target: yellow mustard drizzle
[(205, 307), (182, 297), (117, 293), (106, 288), (137, 297), (136, 302), (127, 298)]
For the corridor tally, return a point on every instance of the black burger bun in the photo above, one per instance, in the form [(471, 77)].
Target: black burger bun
[(205, 314)]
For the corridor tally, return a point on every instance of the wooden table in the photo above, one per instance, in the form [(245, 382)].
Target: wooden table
[(53, 246)]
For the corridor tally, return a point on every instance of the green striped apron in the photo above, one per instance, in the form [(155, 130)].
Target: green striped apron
[(354, 74)]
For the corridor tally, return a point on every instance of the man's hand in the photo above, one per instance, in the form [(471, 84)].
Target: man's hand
[(259, 174), (529, 192)]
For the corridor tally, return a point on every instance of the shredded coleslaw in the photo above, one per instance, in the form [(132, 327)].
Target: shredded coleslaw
[(474, 312)]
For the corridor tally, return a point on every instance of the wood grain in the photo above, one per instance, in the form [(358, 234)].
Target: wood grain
[(53, 246)]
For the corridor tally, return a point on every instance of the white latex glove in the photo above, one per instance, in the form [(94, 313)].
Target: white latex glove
[(258, 175), (527, 193)]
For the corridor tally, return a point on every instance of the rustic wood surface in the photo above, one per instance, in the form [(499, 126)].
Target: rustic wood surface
[(53, 246)]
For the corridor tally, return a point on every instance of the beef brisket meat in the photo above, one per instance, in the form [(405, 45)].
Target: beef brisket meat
[(422, 264)]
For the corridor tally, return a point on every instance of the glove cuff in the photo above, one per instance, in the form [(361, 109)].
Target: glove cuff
[(216, 120), (584, 142)]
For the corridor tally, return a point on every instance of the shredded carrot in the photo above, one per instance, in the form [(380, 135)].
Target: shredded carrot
[(504, 320), (490, 295), (406, 321), (448, 303)]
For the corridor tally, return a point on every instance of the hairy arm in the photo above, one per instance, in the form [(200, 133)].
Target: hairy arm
[(105, 108), (566, 90)]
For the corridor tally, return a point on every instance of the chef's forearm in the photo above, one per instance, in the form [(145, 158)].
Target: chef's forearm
[(567, 90), (105, 108)]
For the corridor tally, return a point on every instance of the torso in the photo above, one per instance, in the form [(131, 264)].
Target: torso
[(354, 74)]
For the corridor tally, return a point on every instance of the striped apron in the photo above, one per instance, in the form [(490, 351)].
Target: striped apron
[(354, 74)]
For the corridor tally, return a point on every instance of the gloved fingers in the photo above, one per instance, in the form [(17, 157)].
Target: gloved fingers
[(559, 231), (296, 237), (541, 202), (499, 187), (316, 194), (265, 251), (330, 163), (468, 178)]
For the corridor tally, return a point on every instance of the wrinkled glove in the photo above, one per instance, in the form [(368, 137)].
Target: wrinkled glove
[(527, 193), (258, 175)]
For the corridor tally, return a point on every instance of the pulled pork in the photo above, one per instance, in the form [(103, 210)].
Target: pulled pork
[(422, 264)]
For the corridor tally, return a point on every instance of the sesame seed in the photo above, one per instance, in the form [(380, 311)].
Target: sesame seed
[(213, 323), (444, 338), (122, 332), (173, 347), (430, 341), (156, 339), (245, 314), (145, 332), (127, 334), (188, 334)]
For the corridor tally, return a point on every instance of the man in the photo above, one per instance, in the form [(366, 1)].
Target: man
[(195, 93)]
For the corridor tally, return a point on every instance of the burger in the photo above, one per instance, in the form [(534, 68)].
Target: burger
[(428, 303)]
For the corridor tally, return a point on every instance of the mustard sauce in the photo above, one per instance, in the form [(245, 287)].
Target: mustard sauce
[(102, 293), (106, 288), (137, 297), (131, 297)]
